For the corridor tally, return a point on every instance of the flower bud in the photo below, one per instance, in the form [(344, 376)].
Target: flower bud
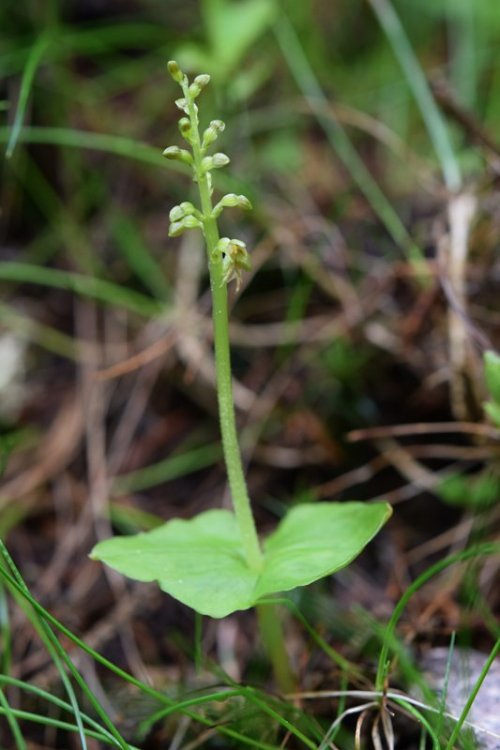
[(220, 160), (194, 90), (187, 222), (176, 229), (175, 71), (231, 200), (214, 162), (217, 125), (202, 80), (198, 85), (191, 222), (212, 132), (176, 214), (178, 154), (185, 128), (207, 163), (244, 203), (182, 104)]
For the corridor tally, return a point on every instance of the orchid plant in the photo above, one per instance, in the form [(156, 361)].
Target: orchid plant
[(215, 562)]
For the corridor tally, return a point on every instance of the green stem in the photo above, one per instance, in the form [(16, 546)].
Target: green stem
[(230, 446), (273, 640)]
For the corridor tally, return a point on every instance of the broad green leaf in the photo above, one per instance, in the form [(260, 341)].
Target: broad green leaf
[(201, 563), (492, 375), (315, 540)]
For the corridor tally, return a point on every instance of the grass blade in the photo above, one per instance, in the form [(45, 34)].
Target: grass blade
[(32, 63), (470, 700), (86, 286), (113, 144), (469, 554), (308, 84), (43, 335), (167, 469), (140, 259), (58, 655), (431, 115), (11, 717), (58, 724), (16, 583), (52, 699)]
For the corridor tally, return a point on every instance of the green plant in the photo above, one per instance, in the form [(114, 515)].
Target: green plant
[(492, 377), (215, 563), (231, 30)]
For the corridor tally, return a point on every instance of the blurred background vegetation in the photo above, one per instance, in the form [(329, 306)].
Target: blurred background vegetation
[(365, 134)]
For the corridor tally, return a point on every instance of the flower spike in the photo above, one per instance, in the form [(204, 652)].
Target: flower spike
[(230, 255)]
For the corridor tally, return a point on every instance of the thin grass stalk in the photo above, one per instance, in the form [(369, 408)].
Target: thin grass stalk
[(34, 59), (470, 700), (306, 80), (60, 658), (434, 122), (486, 549), (53, 699), (11, 717), (161, 697), (65, 725)]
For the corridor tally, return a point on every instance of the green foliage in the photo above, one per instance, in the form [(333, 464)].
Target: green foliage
[(87, 286), (492, 377), (470, 492), (486, 13), (201, 562), (492, 409), (231, 29), (280, 153), (345, 360)]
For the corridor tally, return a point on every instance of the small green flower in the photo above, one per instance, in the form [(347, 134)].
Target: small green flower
[(230, 253), (235, 260)]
